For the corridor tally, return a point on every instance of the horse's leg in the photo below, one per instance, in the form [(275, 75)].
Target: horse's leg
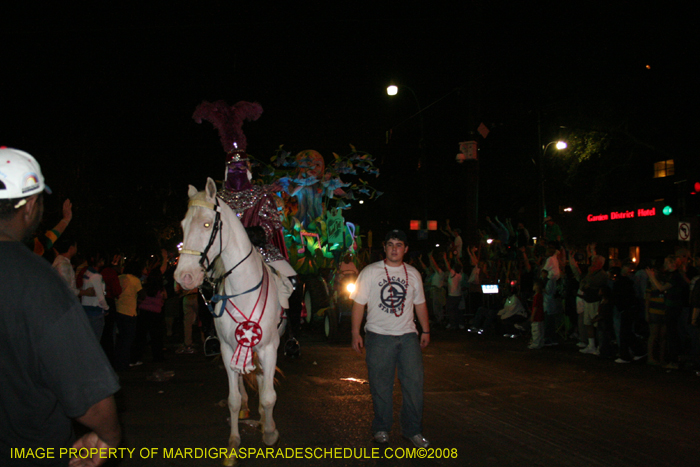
[(244, 412), (268, 397), (234, 405)]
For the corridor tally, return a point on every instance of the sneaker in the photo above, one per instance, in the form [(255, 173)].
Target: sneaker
[(590, 350), (419, 441), (519, 326), (136, 363), (638, 357), (582, 345), (185, 350), (621, 360), (381, 437)]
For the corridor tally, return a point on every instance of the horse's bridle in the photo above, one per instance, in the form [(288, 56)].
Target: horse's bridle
[(204, 256)]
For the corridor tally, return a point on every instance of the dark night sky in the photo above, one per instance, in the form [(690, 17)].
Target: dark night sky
[(104, 97)]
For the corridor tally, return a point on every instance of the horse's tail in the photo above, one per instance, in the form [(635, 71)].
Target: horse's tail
[(251, 380)]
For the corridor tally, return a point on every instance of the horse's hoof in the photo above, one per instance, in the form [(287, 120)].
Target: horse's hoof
[(271, 440), (232, 458), (230, 461), (244, 414)]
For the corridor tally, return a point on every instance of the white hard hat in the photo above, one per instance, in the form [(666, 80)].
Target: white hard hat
[(20, 174)]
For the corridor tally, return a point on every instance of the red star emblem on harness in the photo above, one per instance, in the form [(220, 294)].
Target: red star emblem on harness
[(248, 334)]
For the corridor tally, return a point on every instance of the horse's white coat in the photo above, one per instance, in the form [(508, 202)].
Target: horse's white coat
[(232, 248)]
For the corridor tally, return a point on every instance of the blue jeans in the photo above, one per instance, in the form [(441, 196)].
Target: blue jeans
[(384, 355), (96, 316)]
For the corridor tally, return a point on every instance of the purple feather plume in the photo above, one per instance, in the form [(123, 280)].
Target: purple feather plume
[(228, 120)]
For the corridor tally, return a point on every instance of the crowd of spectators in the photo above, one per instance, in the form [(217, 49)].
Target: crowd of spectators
[(506, 285), (555, 293), (130, 302)]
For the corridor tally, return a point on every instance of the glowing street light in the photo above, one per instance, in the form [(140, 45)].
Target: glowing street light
[(559, 145), (393, 90)]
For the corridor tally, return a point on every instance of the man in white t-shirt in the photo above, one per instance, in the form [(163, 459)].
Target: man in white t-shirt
[(391, 289), (67, 248), (552, 264)]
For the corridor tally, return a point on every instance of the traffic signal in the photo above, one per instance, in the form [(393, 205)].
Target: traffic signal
[(693, 205)]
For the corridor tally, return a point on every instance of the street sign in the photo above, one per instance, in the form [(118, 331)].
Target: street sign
[(684, 231)]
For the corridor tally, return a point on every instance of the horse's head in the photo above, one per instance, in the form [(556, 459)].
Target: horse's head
[(200, 227)]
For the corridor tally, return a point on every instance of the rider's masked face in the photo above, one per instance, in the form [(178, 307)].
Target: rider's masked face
[(237, 175)]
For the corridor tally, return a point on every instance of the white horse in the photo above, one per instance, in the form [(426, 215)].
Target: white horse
[(247, 316)]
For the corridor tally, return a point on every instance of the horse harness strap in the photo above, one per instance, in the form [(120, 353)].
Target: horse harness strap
[(204, 204), (217, 227), (217, 298), (212, 238), (204, 256), (228, 273)]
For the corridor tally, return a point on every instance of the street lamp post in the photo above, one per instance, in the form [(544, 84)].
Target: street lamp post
[(559, 145), (393, 90)]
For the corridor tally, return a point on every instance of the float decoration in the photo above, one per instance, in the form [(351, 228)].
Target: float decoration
[(312, 191)]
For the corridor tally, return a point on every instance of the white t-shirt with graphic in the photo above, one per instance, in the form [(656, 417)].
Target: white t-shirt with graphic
[(389, 300)]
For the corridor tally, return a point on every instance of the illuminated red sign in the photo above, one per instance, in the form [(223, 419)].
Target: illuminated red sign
[(614, 215)]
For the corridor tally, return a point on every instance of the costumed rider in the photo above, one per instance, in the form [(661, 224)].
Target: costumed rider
[(254, 205)]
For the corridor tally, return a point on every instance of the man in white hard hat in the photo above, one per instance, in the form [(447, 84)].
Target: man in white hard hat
[(52, 368)]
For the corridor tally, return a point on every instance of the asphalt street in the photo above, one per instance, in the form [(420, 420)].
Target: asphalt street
[(488, 402)]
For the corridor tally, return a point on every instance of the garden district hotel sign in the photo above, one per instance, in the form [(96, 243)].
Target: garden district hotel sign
[(648, 222), (614, 215)]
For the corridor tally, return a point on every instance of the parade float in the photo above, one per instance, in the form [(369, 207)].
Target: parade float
[(297, 204), (314, 197)]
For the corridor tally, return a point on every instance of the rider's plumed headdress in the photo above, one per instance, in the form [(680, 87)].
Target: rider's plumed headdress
[(229, 121)]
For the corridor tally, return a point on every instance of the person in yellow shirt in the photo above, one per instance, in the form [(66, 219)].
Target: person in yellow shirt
[(126, 319)]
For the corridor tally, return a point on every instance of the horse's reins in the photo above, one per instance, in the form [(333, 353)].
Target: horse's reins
[(204, 255)]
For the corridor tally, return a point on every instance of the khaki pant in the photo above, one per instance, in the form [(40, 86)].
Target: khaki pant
[(190, 309)]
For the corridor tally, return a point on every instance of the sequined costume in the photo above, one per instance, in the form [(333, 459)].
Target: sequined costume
[(255, 206)]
